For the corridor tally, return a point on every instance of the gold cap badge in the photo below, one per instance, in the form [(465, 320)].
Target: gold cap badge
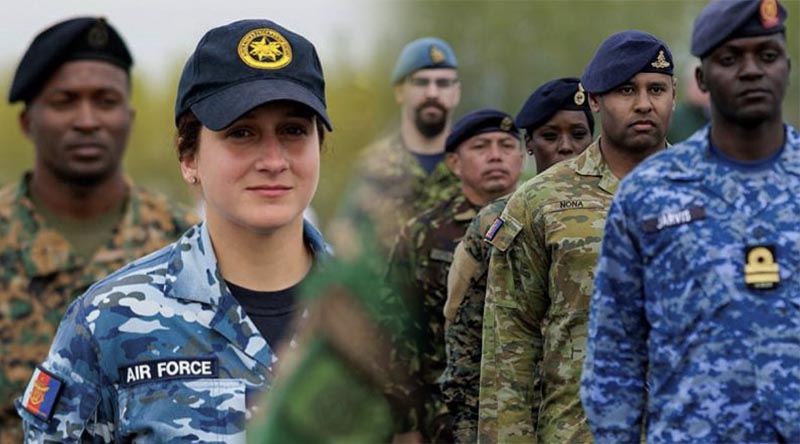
[(768, 13), (580, 96), (506, 123), (265, 49), (437, 55), (661, 61)]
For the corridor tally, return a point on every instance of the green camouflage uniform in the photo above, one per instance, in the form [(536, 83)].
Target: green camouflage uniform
[(463, 312), (40, 275), (539, 286), (390, 188), (419, 263)]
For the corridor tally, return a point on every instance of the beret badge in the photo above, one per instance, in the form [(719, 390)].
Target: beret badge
[(580, 96), (437, 55)]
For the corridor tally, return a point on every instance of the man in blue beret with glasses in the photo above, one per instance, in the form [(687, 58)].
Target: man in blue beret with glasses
[(401, 175), (484, 151), (695, 317), (74, 217), (546, 242)]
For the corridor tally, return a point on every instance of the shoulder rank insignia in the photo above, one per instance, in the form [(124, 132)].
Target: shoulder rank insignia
[(437, 55), (42, 394), (580, 96), (761, 269), (661, 61), (768, 13), (265, 48), (506, 123)]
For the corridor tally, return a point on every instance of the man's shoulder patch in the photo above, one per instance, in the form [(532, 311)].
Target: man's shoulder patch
[(42, 394)]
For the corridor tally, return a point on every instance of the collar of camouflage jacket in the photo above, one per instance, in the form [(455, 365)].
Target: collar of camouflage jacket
[(193, 271), (45, 251), (693, 164), (591, 163)]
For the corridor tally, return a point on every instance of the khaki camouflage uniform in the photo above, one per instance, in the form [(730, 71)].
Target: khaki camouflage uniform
[(390, 188), (40, 275), (540, 282), (419, 262), (463, 312)]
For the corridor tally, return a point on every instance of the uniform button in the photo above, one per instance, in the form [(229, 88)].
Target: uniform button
[(782, 310), (759, 232)]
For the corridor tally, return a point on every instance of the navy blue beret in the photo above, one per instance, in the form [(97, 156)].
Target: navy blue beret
[(427, 52), (556, 95), (245, 64), (479, 122), (622, 56), (723, 20), (81, 38)]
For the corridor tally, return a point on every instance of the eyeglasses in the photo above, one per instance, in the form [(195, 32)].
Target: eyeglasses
[(423, 82)]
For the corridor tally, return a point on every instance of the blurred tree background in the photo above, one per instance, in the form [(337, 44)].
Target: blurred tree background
[(505, 50)]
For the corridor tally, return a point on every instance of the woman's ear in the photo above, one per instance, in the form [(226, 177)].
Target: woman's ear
[(189, 169)]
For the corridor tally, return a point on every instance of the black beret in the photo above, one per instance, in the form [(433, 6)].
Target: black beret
[(556, 95), (479, 122), (75, 39), (247, 63), (622, 56), (723, 20)]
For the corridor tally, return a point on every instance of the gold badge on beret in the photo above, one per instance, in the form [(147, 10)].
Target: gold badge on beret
[(437, 55), (661, 61), (580, 96), (506, 123), (265, 48), (768, 13)]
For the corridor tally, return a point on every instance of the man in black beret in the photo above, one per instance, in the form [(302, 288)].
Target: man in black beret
[(74, 217), (695, 316), (484, 151), (546, 242)]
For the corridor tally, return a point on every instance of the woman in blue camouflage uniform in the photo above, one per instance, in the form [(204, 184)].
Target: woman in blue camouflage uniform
[(176, 346)]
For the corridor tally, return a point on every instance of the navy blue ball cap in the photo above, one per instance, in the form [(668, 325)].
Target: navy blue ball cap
[(245, 64), (80, 38), (423, 53), (724, 20), (559, 94), (479, 122), (622, 56)]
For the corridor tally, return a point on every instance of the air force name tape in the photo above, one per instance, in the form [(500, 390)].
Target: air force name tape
[(42, 394), (166, 369)]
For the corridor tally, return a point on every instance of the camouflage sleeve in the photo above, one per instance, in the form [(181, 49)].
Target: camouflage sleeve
[(406, 352), (613, 389), (462, 335), (61, 400), (517, 291)]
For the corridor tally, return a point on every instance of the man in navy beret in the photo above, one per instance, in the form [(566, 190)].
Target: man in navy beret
[(74, 217), (484, 151), (402, 174), (545, 245), (695, 318)]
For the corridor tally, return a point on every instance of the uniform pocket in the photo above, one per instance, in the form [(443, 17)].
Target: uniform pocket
[(197, 410)]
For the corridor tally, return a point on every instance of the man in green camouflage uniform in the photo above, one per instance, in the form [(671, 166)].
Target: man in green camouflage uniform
[(484, 152), (74, 218), (547, 241), (402, 174), (558, 125)]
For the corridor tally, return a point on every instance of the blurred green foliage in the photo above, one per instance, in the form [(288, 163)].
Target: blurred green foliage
[(505, 50)]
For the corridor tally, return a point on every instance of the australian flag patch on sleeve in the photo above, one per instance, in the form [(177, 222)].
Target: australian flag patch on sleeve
[(42, 394)]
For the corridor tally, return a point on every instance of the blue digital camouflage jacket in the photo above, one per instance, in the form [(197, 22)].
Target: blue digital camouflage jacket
[(157, 352), (694, 325)]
